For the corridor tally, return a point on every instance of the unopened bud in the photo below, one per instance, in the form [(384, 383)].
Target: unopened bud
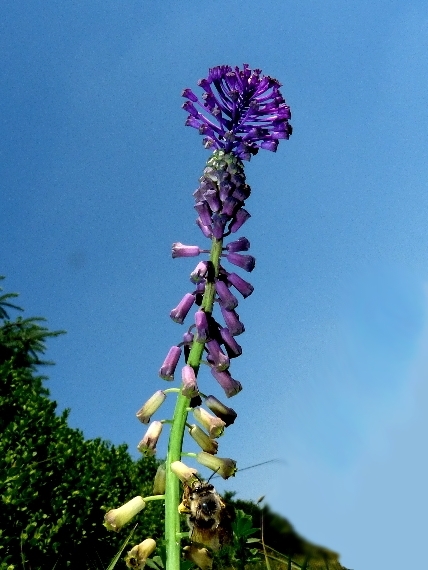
[(189, 386), (159, 484), (170, 363)]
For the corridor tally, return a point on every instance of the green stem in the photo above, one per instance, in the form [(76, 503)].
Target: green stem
[(172, 493)]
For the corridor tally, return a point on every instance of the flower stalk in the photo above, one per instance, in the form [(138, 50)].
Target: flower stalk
[(239, 112), (172, 492)]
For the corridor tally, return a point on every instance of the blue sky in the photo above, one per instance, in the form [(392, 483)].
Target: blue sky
[(97, 173)]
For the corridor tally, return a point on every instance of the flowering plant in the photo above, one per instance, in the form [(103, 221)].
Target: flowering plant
[(239, 112)]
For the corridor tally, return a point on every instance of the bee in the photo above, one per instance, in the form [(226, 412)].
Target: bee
[(209, 518)]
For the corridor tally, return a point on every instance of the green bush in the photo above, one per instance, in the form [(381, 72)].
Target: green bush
[(55, 486)]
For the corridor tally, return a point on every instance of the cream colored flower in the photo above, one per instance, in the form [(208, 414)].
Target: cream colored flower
[(137, 556), (117, 518)]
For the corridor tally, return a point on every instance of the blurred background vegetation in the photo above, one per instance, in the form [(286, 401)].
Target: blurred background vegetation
[(55, 485)]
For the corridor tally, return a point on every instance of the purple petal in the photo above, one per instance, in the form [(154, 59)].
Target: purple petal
[(216, 356), (228, 300), (206, 230), (170, 363), (232, 347), (240, 284), (219, 222), (241, 217), (189, 386), (204, 212), (230, 386), (246, 262), (201, 323), (241, 244), (200, 272), (180, 312), (232, 322)]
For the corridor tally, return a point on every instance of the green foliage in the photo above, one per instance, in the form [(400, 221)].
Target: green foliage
[(283, 544), (238, 554), (122, 548), (159, 562), (55, 486)]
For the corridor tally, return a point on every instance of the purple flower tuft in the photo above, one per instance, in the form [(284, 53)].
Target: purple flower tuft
[(241, 111)]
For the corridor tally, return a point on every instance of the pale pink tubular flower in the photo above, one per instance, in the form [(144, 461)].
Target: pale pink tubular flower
[(151, 406), (214, 426), (147, 445)]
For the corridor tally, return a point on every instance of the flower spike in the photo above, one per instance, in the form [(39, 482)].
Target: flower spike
[(239, 112)]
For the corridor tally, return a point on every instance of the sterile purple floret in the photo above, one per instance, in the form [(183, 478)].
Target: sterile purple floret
[(240, 111)]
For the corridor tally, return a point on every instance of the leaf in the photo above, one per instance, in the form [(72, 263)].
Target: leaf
[(155, 562), (122, 548)]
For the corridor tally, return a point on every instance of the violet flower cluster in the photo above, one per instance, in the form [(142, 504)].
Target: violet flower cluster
[(220, 200), (245, 109)]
